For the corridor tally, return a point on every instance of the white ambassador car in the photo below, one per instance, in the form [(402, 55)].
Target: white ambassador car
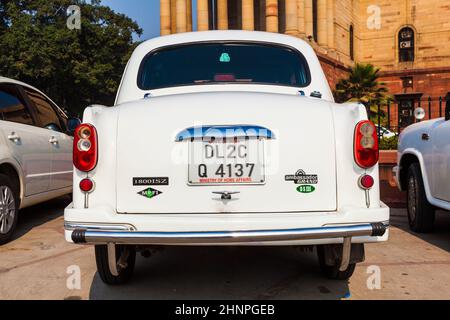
[(225, 138), (35, 152), (424, 170)]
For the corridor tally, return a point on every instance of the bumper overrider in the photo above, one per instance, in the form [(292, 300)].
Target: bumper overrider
[(100, 235)]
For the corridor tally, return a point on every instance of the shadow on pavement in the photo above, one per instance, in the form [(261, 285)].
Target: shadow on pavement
[(392, 196), (225, 273), (440, 237), (40, 214)]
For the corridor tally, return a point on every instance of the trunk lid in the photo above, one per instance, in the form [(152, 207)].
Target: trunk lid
[(156, 170)]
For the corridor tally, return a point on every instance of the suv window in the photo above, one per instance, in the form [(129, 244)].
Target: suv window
[(47, 115), (12, 108), (230, 62)]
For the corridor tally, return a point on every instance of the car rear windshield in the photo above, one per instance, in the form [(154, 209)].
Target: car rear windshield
[(215, 63)]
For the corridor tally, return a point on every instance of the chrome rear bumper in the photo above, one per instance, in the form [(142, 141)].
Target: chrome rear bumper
[(100, 236)]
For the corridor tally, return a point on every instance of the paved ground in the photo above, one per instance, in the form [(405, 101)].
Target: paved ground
[(34, 266)]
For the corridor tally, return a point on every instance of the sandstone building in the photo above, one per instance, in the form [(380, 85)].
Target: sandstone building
[(408, 39)]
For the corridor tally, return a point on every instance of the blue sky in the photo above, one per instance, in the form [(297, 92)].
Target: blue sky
[(144, 12)]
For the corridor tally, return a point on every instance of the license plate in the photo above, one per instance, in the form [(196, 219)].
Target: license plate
[(226, 163)]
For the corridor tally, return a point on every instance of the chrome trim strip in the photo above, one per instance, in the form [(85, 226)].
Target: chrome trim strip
[(104, 227), (211, 237), (224, 132), (48, 174)]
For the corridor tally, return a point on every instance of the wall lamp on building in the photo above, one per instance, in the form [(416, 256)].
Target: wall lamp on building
[(408, 82)]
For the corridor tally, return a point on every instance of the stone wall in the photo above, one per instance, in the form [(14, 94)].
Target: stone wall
[(334, 70), (428, 18)]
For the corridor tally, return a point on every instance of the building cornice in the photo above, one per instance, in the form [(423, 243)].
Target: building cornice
[(333, 62), (408, 72)]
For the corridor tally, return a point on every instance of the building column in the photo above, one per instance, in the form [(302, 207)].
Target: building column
[(330, 24), (165, 17), (222, 14), (308, 18), (173, 16), (189, 15), (181, 16), (301, 17), (202, 15), (291, 17), (322, 26), (248, 15), (272, 15)]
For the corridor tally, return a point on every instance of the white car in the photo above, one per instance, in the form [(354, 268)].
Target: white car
[(225, 138), (35, 152), (385, 133), (424, 170)]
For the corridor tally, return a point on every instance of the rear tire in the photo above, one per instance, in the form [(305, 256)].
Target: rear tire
[(9, 209), (421, 213), (332, 272), (125, 274)]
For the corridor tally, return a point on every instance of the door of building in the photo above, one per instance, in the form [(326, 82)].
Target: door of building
[(407, 103)]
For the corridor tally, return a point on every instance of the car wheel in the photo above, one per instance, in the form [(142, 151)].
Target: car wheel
[(333, 272), (125, 271), (9, 209), (421, 213)]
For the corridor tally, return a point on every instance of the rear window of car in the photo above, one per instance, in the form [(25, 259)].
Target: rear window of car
[(216, 63)]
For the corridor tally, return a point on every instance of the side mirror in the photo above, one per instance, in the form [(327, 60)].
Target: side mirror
[(72, 124)]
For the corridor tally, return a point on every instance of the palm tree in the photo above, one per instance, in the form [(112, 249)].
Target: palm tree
[(362, 86)]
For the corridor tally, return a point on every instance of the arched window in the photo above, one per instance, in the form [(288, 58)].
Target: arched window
[(352, 51), (314, 18), (406, 44)]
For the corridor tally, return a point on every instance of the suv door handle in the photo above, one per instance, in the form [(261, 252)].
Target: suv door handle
[(425, 136), (53, 140), (14, 137)]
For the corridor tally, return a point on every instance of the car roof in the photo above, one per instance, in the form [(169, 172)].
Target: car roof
[(227, 35), (13, 81), (17, 82)]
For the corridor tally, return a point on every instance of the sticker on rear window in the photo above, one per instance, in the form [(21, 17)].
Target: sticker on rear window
[(225, 57)]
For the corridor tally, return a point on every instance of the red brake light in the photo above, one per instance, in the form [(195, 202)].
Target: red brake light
[(85, 153), (224, 78), (86, 185), (366, 182), (366, 145)]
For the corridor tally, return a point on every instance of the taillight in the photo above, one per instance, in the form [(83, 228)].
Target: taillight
[(87, 185), (85, 148), (366, 182), (366, 145)]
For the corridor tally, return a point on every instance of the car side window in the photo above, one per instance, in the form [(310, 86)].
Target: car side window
[(12, 108), (47, 115)]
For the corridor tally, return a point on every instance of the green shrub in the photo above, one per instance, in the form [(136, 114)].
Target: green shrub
[(389, 143)]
